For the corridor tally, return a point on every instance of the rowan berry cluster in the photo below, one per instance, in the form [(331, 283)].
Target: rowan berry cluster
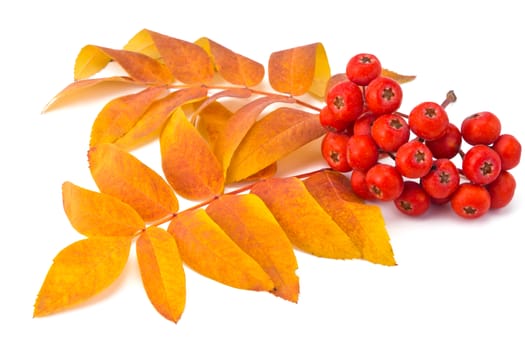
[(416, 159)]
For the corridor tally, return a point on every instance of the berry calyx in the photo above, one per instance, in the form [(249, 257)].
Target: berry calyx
[(428, 120), (470, 201), (481, 164), (363, 68), (383, 95)]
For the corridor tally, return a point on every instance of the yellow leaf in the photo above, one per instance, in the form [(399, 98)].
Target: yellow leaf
[(234, 68), (118, 173), (300, 70), (149, 126), (80, 271), (142, 43), (233, 92), (77, 89), (187, 160), (162, 272), (238, 125), (91, 59), (249, 223), (279, 133), (121, 114), (212, 120), (307, 225), (208, 250), (98, 214), (363, 223)]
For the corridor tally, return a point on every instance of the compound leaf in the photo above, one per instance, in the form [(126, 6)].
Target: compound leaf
[(162, 272), (149, 126), (80, 271), (208, 250), (91, 59), (307, 225), (363, 223), (233, 67), (249, 223), (120, 174), (188, 163), (279, 133), (121, 114), (299, 70), (98, 214)]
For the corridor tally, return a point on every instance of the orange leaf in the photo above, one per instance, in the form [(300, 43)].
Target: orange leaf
[(400, 78), (305, 222), (187, 160), (299, 70), (162, 272), (234, 68), (118, 173), (363, 223), (279, 133), (74, 90), (238, 125), (212, 120), (205, 248), (122, 113), (80, 271), (188, 62), (99, 214), (149, 126), (91, 59), (247, 220)]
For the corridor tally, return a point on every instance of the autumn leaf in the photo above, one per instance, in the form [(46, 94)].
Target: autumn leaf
[(232, 92), (75, 90), (208, 250), (233, 67), (212, 120), (81, 271), (162, 272), (120, 174), (91, 59), (363, 223), (278, 134), (122, 113), (188, 162), (300, 70), (238, 125), (249, 223), (149, 126), (98, 214), (188, 62), (400, 78), (307, 225)]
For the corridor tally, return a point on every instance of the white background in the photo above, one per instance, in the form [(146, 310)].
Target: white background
[(458, 284)]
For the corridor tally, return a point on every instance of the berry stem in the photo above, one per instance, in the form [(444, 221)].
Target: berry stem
[(451, 98)]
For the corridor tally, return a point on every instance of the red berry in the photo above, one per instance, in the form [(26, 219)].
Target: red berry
[(363, 124), (359, 185), (345, 100), (481, 164), (501, 190), (448, 145), (330, 122), (481, 128), (442, 180), (390, 131), (413, 201), (363, 68), (383, 95), (428, 120), (384, 181), (470, 201), (333, 149), (413, 159), (361, 152), (509, 150)]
